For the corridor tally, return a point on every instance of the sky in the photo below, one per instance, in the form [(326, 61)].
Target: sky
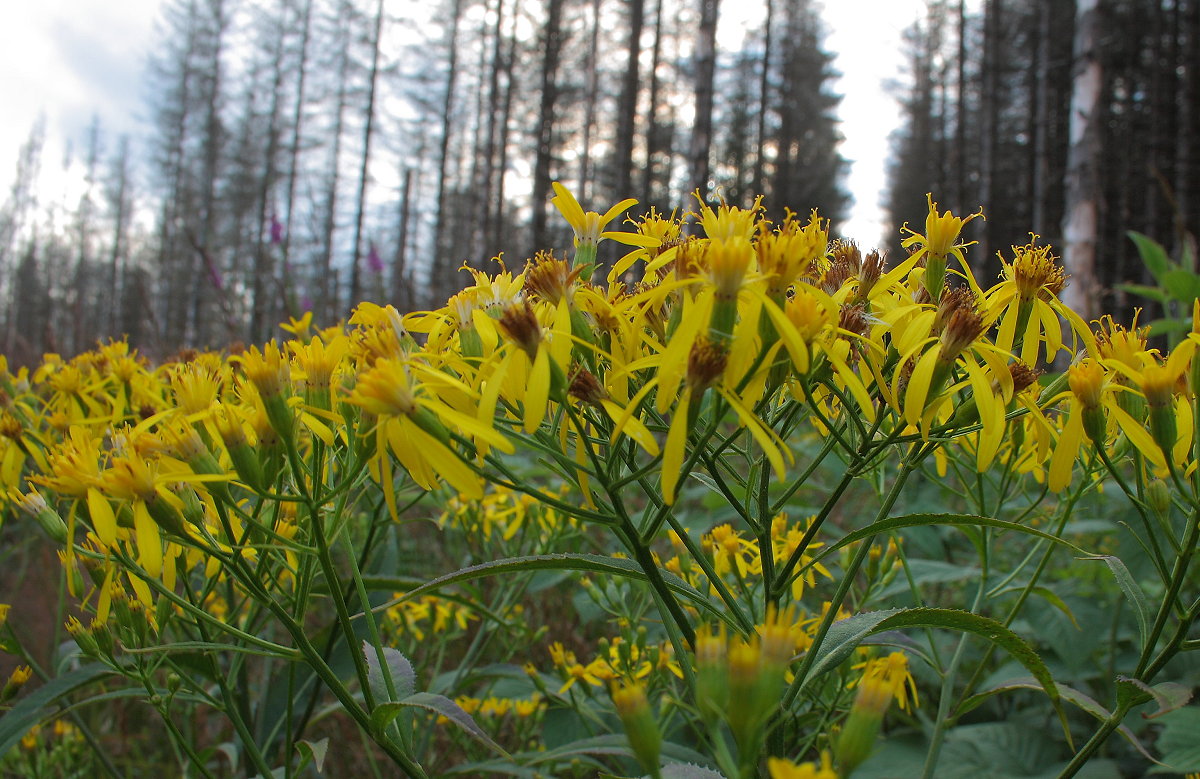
[(70, 60)]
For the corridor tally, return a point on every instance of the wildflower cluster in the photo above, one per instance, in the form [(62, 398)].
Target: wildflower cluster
[(411, 480)]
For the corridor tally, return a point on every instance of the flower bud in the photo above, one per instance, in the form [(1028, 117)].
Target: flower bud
[(640, 726)]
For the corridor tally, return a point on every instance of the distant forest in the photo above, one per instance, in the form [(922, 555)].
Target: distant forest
[(309, 154)]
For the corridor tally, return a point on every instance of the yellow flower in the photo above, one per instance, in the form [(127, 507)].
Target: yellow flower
[(1092, 403), (1027, 307), (782, 768), (589, 225), (413, 423), (941, 238)]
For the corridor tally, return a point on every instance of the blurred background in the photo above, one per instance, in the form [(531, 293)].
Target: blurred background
[(188, 173)]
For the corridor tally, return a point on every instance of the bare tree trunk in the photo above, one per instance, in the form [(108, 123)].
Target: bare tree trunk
[(758, 183), (1083, 185), (327, 290), (497, 219), (552, 37), (205, 276), (289, 226), (627, 102), (959, 176), (81, 322), (990, 117), (119, 202), (1041, 122), (401, 285), (705, 68), (653, 131), (589, 115), (500, 65), (356, 287), (444, 269), (263, 311)]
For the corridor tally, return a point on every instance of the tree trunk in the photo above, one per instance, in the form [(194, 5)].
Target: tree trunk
[(552, 37), (1083, 185), (326, 282), (289, 225), (758, 183), (705, 60), (356, 286), (627, 102), (444, 269), (263, 310)]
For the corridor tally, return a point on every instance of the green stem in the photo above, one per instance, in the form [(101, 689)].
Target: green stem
[(944, 700), (916, 453)]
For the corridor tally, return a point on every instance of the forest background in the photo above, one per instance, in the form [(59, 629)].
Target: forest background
[(310, 154)]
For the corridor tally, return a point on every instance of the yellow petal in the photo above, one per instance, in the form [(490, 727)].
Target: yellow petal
[(537, 394), (103, 519), (1063, 459), (673, 452), (149, 542), (632, 427)]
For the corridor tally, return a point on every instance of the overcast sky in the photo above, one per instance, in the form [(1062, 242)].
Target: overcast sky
[(71, 59)]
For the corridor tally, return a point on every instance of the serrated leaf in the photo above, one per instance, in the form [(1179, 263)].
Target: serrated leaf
[(314, 751), (843, 638), (442, 705), (1069, 694), (989, 629), (404, 678), (1153, 255), (1132, 591), (28, 711), (1168, 695)]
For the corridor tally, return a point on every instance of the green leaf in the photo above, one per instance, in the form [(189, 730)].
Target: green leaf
[(439, 704), (1142, 290), (689, 771), (614, 566), (949, 520), (404, 678), (1153, 255), (1069, 694), (28, 711), (1168, 695), (843, 638), (314, 751), (1166, 326), (1179, 729), (990, 629), (1132, 591), (1182, 285), (1051, 597)]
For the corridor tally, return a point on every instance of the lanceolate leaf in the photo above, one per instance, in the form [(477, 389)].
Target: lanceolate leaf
[(1069, 694), (383, 714), (404, 678), (845, 635), (1153, 255), (567, 562), (1168, 695), (843, 638), (990, 629), (948, 520), (1132, 591)]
